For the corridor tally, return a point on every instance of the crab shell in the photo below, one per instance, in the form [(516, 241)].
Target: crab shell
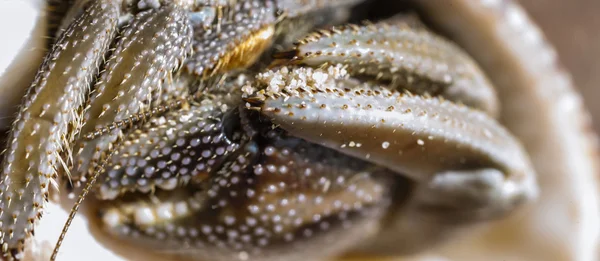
[(540, 106)]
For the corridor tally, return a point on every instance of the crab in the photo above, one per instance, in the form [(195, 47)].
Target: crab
[(216, 130)]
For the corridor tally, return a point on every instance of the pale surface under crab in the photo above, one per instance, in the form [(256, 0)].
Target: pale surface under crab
[(21, 53), (82, 240), (568, 184), (79, 243)]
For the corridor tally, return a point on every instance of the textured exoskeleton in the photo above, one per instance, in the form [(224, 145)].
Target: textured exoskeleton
[(204, 144)]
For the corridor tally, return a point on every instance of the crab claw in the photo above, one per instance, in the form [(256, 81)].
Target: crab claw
[(467, 166)]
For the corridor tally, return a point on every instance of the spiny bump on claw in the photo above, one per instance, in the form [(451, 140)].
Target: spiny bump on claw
[(291, 81)]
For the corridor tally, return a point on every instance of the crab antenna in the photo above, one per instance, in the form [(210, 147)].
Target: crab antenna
[(84, 193)]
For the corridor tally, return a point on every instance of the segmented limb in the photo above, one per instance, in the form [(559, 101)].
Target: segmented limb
[(459, 152), (152, 46), (271, 202), (41, 129), (407, 57), (133, 76)]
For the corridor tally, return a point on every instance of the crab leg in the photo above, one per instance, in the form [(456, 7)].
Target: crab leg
[(40, 131), (427, 139), (149, 49), (269, 203), (408, 57)]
